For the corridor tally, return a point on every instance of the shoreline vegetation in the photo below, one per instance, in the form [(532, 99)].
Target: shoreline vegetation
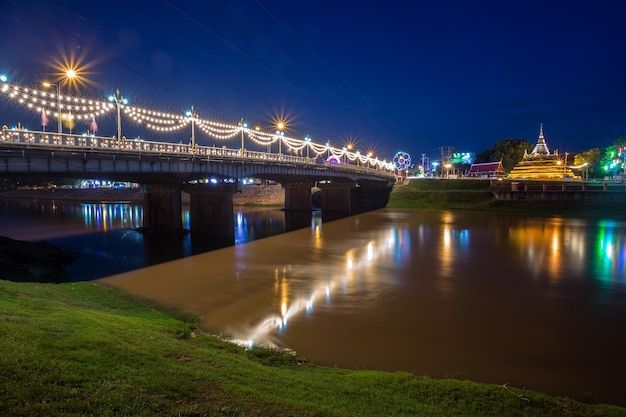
[(91, 349)]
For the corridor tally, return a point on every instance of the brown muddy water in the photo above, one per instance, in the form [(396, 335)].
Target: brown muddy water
[(533, 302)]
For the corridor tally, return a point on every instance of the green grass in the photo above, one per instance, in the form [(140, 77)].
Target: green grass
[(468, 194), (80, 349), (442, 194)]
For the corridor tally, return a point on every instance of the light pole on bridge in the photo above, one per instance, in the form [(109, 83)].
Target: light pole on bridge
[(280, 126), (308, 139), (69, 74), (242, 125), (193, 115), (119, 100)]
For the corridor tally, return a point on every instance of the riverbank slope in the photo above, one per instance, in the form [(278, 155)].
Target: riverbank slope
[(467, 194), (90, 349)]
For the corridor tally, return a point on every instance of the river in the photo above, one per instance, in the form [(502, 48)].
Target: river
[(532, 302)]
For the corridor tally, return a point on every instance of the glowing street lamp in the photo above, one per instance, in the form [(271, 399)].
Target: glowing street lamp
[(242, 125), (118, 99), (280, 126), (347, 149), (69, 74), (192, 114)]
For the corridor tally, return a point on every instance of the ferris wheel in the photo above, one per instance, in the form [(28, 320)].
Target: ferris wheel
[(401, 161)]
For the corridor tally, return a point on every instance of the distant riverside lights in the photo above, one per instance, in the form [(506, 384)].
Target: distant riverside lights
[(87, 109)]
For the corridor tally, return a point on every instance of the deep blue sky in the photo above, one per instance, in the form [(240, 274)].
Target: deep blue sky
[(390, 75)]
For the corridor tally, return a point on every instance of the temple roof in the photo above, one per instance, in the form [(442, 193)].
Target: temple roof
[(487, 170), (540, 164), (541, 148)]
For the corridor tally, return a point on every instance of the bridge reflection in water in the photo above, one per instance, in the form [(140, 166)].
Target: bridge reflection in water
[(107, 238)]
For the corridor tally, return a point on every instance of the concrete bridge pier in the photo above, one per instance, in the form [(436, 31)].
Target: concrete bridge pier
[(336, 196), (367, 197), (162, 208), (298, 196), (211, 209)]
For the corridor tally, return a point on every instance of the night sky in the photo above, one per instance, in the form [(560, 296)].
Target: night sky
[(386, 75)]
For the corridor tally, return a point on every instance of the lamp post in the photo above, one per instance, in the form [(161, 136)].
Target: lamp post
[(347, 149), (242, 125), (192, 114), (69, 74), (119, 100), (307, 138), (280, 132), (58, 86)]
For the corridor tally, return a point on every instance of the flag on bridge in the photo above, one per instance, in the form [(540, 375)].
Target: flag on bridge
[(93, 126), (44, 119)]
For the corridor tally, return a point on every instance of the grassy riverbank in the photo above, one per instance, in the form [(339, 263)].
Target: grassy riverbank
[(441, 194), (89, 349), (469, 194)]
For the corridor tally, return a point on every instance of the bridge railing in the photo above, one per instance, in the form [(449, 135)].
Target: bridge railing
[(55, 141)]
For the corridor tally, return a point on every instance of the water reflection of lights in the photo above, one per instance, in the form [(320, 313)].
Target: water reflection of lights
[(452, 241), (547, 244), (370, 251), (349, 262), (316, 226), (610, 253), (107, 216), (357, 261), (447, 240), (544, 244), (252, 224)]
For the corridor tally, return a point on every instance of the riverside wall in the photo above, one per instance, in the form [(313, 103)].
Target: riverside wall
[(575, 191)]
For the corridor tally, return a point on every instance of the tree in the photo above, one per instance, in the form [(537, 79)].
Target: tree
[(612, 163), (591, 158), (509, 151)]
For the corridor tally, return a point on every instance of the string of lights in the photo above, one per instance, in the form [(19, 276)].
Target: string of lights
[(55, 105)]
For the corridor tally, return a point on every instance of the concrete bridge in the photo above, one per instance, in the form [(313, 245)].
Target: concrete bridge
[(211, 175)]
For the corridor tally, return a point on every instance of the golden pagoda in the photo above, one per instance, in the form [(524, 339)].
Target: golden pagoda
[(540, 164)]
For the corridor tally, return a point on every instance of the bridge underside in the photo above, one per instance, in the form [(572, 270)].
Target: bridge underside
[(210, 183)]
